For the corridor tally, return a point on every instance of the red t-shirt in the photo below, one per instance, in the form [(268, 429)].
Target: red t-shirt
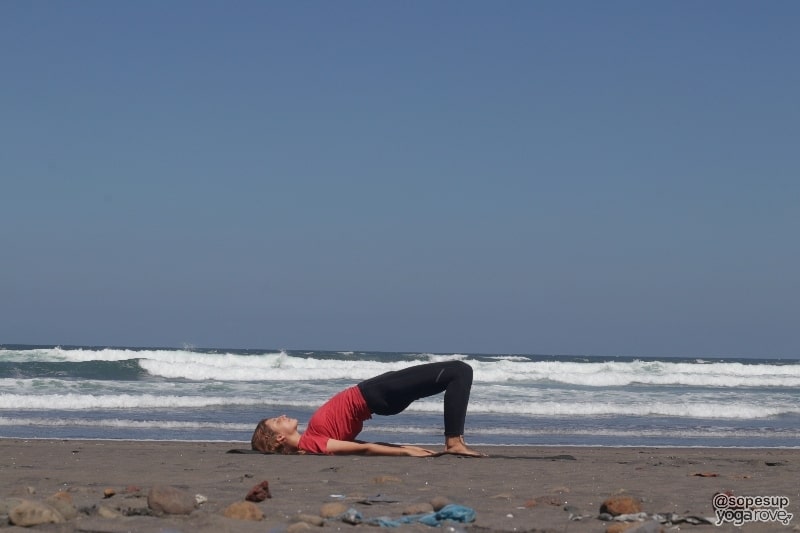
[(340, 418)]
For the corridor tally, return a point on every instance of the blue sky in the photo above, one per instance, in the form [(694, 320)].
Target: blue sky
[(599, 178)]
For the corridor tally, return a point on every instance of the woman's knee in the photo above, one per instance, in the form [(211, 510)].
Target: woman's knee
[(462, 368)]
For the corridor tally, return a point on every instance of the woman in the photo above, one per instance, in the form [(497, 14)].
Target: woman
[(333, 428)]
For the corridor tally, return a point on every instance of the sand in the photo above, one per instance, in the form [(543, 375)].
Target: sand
[(515, 489)]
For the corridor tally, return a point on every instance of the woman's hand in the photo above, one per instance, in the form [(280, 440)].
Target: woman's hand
[(416, 451)]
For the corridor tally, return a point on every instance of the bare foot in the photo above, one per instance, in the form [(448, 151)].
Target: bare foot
[(457, 446)]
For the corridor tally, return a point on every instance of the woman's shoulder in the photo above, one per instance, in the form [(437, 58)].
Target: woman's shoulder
[(311, 442)]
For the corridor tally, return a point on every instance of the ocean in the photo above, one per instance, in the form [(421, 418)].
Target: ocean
[(219, 395)]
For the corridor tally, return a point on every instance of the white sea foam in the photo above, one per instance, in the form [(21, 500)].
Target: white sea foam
[(108, 401), (122, 423), (586, 408), (549, 409), (618, 374), (280, 366)]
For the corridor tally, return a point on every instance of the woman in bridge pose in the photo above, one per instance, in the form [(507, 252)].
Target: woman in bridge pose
[(333, 428)]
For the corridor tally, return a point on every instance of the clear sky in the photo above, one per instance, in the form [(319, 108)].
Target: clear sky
[(579, 177)]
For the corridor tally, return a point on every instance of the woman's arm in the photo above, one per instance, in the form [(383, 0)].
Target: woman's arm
[(344, 447)]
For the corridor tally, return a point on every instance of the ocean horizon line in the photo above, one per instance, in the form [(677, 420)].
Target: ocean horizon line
[(353, 351)]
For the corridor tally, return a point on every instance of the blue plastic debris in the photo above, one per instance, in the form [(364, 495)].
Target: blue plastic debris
[(454, 512)]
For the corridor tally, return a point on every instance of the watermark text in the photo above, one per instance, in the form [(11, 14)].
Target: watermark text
[(739, 510)]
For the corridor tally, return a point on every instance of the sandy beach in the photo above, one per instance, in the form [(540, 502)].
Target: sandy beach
[(514, 489)]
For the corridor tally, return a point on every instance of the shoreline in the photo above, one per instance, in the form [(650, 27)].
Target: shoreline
[(244, 444), (517, 488)]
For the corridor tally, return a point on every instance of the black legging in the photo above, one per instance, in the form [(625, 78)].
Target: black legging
[(392, 392)]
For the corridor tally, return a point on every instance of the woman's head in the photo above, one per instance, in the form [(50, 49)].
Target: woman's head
[(270, 435)]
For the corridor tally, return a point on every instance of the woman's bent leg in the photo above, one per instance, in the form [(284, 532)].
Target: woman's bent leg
[(393, 392)]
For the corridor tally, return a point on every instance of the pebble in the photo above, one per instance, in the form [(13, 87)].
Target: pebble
[(30, 513), (244, 511), (298, 526), (617, 505), (259, 492), (332, 509), (170, 500), (351, 516)]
